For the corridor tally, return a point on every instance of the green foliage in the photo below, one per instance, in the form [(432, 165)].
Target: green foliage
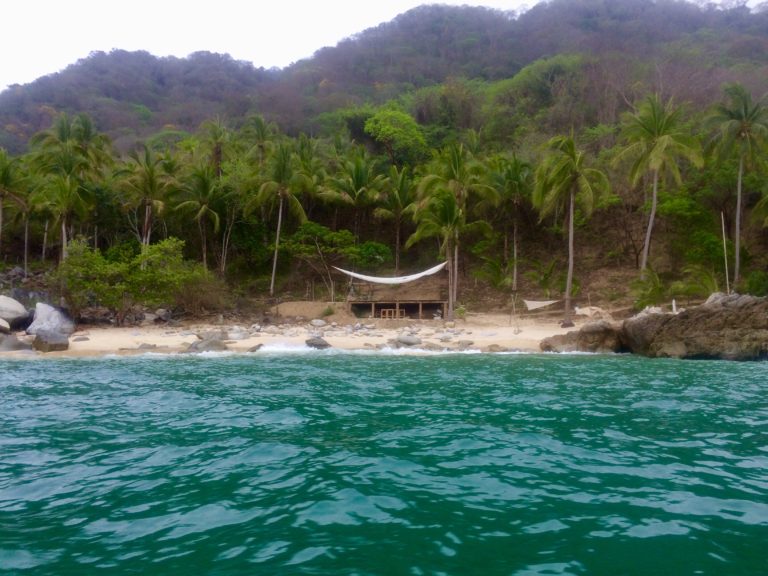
[(699, 282), (399, 134), (318, 245), (649, 290), (154, 277), (757, 283)]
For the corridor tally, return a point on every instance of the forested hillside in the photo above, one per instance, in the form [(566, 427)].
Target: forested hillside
[(540, 152)]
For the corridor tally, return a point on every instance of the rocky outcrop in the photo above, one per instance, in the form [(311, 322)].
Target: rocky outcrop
[(317, 343), (597, 337), (10, 343), (729, 327)]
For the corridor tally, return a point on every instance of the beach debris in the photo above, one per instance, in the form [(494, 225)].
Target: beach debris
[(50, 319), (317, 343), (50, 341)]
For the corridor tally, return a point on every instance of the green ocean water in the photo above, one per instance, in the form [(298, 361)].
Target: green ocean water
[(351, 463)]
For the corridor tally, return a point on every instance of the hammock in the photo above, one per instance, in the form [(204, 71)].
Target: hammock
[(394, 279), (536, 304)]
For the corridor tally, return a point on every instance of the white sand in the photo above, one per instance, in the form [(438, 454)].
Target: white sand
[(482, 330)]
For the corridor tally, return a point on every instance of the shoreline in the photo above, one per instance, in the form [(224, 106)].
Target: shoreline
[(484, 333)]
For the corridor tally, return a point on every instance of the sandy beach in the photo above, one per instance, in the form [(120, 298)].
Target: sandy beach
[(477, 332)]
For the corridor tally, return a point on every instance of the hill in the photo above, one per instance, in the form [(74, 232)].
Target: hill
[(132, 95)]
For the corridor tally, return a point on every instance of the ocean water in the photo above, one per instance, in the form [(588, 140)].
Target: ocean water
[(349, 463)]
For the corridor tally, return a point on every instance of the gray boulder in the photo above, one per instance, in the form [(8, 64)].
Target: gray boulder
[(5, 328), (49, 319), (318, 323), (317, 343), (11, 310), (408, 340), (50, 341)]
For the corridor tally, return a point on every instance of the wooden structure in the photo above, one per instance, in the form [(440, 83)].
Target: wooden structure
[(425, 298)]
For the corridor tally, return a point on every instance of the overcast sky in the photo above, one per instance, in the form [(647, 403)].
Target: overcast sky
[(41, 37)]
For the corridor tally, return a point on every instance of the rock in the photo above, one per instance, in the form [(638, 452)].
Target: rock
[(728, 327), (560, 343), (80, 339), (408, 340), (10, 343), (162, 315), (146, 346), (464, 344), (495, 348), (50, 341), (255, 348), (49, 319), (317, 342), (5, 328), (148, 319), (238, 334), (11, 310), (209, 345), (318, 323), (597, 337)]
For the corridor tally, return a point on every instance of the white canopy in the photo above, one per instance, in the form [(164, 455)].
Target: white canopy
[(393, 279), (535, 304)]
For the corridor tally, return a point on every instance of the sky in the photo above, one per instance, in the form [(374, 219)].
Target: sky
[(42, 37)]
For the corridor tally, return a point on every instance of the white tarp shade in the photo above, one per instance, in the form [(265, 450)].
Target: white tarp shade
[(535, 304), (394, 279)]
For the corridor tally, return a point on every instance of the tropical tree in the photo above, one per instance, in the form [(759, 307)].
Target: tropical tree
[(656, 138), (442, 216), (200, 194), (283, 186), (64, 197), (396, 199), (10, 182), (512, 178), (356, 185), (399, 134), (742, 130), (148, 181), (564, 179)]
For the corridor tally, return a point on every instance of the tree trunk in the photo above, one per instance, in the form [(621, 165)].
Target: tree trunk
[(146, 233), (647, 245), (1, 224), (201, 227), (514, 256), (737, 228), (277, 246), (63, 255), (45, 241), (397, 246), (569, 277), (449, 257)]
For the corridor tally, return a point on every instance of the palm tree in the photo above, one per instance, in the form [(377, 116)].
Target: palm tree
[(512, 180), (9, 184), (442, 216), (741, 128), (396, 199), (283, 185), (356, 185), (564, 179), (149, 181), (656, 139), (64, 197), (200, 195)]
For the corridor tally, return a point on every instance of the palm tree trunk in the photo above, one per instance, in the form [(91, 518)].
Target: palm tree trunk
[(514, 256), (63, 255), (569, 277), (647, 245), (147, 231), (1, 224), (45, 241), (451, 272), (203, 243), (277, 246), (455, 268), (737, 232)]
